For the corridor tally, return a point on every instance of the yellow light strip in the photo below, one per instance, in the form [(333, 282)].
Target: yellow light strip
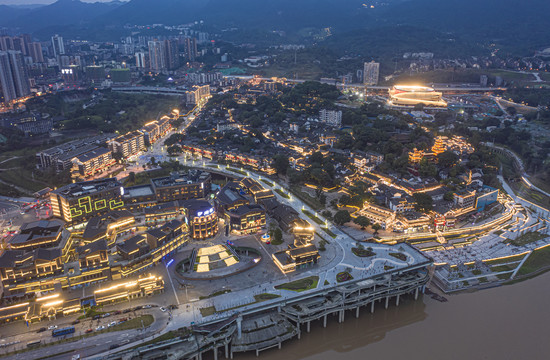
[(14, 306), (505, 257), (53, 303), (48, 297)]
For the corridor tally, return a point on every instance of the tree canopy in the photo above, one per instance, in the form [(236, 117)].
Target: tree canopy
[(341, 217), (424, 202), (362, 221)]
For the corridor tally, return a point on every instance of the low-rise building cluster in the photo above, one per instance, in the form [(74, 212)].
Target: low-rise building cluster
[(87, 157), (456, 144), (397, 210)]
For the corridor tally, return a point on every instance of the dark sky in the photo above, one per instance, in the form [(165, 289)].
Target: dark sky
[(27, 2)]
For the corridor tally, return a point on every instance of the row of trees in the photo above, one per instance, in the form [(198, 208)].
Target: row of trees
[(342, 216)]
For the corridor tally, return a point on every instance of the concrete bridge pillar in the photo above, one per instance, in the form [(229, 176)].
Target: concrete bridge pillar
[(357, 312), (397, 300), (308, 326), (372, 307), (279, 346), (200, 355), (325, 321), (387, 302), (416, 294), (423, 289), (239, 327), (215, 353), (341, 317), (226, 350)]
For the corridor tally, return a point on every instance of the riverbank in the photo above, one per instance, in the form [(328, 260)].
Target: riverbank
[(478, 325)]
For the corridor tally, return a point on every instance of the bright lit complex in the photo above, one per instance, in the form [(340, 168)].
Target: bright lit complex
[(408, 95)]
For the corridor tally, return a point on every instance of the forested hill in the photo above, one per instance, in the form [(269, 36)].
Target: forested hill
[(517, 26)]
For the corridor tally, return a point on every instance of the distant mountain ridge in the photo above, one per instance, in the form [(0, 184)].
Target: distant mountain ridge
[(26, 6), (394, 41), (8, 13), (290, 14), (515, 24), (253, 13), (518, 25), (60, 13)]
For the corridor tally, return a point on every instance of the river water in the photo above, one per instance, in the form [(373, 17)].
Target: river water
[(507, 322)]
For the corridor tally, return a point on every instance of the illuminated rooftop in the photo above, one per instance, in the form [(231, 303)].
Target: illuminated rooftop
[(413, 88)]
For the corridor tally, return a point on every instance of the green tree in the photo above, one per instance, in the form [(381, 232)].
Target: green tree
[(117, 156), (316, 158), (174, 139), (174, 150), (492, 122), (447, 159), (345, 200), (427, 169), (294, 177), (362, 221), (424, 202), (341, 217), (376, 227), (345, 141), (281, 163), (277, 236), (441, 118)]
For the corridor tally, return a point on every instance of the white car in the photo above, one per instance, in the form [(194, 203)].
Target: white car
[(100, 327), (112, 323), (52, 327)]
